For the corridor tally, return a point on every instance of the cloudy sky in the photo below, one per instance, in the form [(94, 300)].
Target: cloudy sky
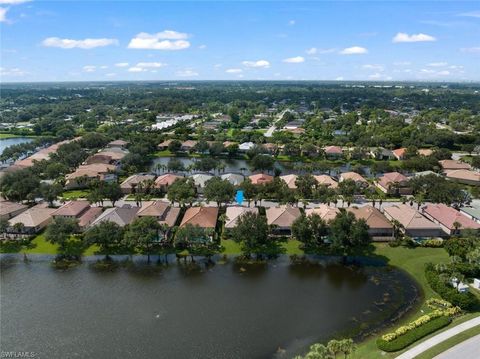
[(154, 40)]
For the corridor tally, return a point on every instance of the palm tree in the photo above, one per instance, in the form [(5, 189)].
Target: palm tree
[(457, 226)]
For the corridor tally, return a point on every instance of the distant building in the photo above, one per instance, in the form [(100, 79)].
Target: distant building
[(134, 181), (325, 180), (166, 180), (380, 228), (359, 180), (412, 223), (233, 213), (454, 165), (394, 183), (119, 215), (11, 209), (234, 178), (333, 152), (204, 217), (290, 180), (325, 212), (471, 178), (31, 221), (260, 178)]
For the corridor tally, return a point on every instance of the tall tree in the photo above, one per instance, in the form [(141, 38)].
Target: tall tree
[(142, 234), (107, 236), (219, 191)]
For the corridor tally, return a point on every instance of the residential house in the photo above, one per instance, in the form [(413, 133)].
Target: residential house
[(234, 178), (119, 215), (11, 209), (31, 221), (234, 213), (103, 172), (188, 146), (325, 180), (118, 144), (111, 156), (290, 180), (425, 152), (200, 180), (394, 183), (89, 216), (399, 153), (449, 218), (227, 144), (260, 178), (282, 218), (412, 222), (162, 211), (333, 152), (71, 209), (131, 183), (164, 145), (381, 153), (204, 217), (166, 180), (359, 180), (450, 165), (325, 212), (471, 178), (245, 146), (380, 228), (472, 212)]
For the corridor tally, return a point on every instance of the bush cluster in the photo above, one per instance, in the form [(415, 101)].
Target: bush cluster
[(433, 243), (413, 335), (466, 301)]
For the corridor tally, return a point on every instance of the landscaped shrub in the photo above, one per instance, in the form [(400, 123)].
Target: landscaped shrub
[(466, 301), (413, 335), (433, 243)]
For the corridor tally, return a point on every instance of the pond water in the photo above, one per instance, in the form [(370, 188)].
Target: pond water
[(6, 142), (223, 311), (243, 166)]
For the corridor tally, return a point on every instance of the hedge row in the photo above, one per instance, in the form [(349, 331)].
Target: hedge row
[(412, 336), (466, 301)]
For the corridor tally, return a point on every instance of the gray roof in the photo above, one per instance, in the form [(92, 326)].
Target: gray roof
[(472, 211), (119, 215)]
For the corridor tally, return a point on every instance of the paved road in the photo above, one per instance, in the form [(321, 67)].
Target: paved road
[(270, 131), (429, 343), (469, 349)]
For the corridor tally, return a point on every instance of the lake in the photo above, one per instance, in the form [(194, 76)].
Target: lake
[(243, 166), (6, 142), (223, 311)]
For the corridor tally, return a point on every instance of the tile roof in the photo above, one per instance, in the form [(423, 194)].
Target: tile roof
[(409, 218), (166, 179), (72, 208), (330, 150), (325, 212), (205, 217), (326, 181), (234, 212), (282, 216), (260, 178), (165, 213), (463, 175), (135, 180), (354, 176), (33, 217), (7, 207), (454, 165), (119, 215), (374, 218), (290, 180), (233, 178), (448, 215), (89, 216)]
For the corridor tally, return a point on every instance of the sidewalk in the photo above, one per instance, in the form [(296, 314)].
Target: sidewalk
[(429, 343)]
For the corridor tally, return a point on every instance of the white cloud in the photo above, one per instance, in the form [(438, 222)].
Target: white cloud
[(437, 64), (258, 64), (291, 22), (202, 47), (443, 73), (404, 37), (3, 14), (136, 69), (103, 67), (233, 71), (150, 64), (122, 64), (165, 40), (311, 51), (13, 72), (217, 66), (111, 74), (13, 2), (339, 78), (294, 60), (471, 50), (80, 44), (354, 50), (373, 67), (186, 73), (471, 14), (434, 73), (89, 68)]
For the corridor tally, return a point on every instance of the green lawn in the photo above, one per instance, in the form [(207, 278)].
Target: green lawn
[(73, 194), (166, 153), (233, 248), (39, 245)]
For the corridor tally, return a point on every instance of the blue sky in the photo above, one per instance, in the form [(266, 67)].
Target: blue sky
[(245, 40)]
